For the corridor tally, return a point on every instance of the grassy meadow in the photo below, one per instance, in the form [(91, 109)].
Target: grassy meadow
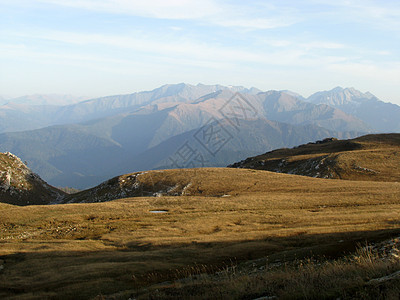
[(373, 157), (226, 217)]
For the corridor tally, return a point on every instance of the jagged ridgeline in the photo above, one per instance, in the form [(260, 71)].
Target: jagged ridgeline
[(20, 186)]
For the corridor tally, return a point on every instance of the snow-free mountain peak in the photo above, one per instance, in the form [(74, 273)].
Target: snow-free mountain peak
[(382, 116), (340, 96)]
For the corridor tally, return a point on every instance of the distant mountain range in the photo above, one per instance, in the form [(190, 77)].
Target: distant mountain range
[(43, 99), (3, 100), (181, 125)]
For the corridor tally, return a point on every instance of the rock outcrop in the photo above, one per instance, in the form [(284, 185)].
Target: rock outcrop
[(20, 186)]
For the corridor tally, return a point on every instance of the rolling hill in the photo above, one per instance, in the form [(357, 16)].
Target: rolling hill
[(223, 220), (199, 232), (367, 158)]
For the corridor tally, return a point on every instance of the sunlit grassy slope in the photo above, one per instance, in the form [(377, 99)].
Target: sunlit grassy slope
[(371, 157), (78, 251)]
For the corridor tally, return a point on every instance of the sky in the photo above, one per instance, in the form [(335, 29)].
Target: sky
[(106, 47)]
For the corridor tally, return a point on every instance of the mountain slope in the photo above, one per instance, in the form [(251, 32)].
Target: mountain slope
[(278, 106), (19, 115), (46, 99), (383, 117), (288, 108), (86, 154), (370, 157), (141, 131), (3, 100), (252, 136), (204, 182), (20, 186), (69, 153)]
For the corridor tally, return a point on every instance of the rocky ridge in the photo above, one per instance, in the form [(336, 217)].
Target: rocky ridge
[(370, 157), (20, 186)]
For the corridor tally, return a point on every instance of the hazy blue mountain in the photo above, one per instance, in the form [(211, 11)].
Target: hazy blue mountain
[(111, 105), (382, 117), (3, 99), (288, 108), (348, 109), (64, 154), (46, 99), (294, 94), (66, 151), (93, 140), (85, 154), (252, 136), (19, 115), (33, 111)]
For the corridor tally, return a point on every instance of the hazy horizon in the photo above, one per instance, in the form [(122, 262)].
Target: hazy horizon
[(107, 47), (80, 98)]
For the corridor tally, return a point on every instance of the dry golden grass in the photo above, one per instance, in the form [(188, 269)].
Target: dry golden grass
[(78, 251), (367, 158), (365, 275)]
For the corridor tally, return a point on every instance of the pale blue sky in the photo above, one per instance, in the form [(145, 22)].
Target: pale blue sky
[(104, 47)]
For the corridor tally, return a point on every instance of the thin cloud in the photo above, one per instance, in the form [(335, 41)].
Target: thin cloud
[(380, 14), (388, 73), (205, 11), (258, 23), (171, 9), (322, 45), (194, 50), (253, 41)]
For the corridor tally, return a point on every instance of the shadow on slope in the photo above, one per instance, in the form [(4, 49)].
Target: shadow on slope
[(20, 186), (125, 272), (371, 157)]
